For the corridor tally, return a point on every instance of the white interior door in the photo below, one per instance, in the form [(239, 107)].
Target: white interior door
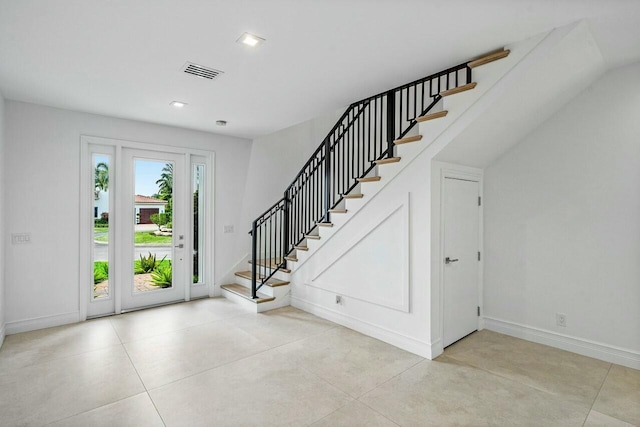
[(153, 240), (461, 263)]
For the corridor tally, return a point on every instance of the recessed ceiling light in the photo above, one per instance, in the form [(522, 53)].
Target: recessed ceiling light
[(221, 122), (250, 40), (178, 104)]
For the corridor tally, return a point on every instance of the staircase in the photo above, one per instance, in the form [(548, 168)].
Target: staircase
[(368, 141)]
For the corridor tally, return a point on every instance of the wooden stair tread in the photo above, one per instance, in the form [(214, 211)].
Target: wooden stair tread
[(245, 293), (368, 179), (324, 224), (312, 236), (352, 196), (271, 264), (272, 283), (432, 116), (408, 139), (459, 89), (301, 248), (387, 160), (494, 56), (291, 258), (338, 211)]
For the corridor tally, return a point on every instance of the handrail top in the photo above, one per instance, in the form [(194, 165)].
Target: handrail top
[(367, 100), (268, 210)]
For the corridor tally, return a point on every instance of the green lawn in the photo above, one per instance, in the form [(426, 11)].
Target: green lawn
[(141, 237), (100, 229)]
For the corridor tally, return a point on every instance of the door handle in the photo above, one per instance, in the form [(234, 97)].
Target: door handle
[(181, 245), (448, 260)]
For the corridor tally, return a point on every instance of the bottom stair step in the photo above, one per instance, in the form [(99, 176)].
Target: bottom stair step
[(245, 293), (271, 282)]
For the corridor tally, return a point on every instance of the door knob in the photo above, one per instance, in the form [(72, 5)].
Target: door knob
[(448, 260), (181, 245)]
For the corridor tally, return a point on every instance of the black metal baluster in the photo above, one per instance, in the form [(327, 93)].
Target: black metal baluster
[(253, 259), (327, 180), (391, 116)]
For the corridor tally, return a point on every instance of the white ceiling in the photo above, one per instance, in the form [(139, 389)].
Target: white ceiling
[(123, 58)]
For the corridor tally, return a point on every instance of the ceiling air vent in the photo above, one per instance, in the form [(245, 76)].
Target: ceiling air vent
[(201, 71)]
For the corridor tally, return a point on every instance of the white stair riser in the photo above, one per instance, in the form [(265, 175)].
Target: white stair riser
[(252, 307)]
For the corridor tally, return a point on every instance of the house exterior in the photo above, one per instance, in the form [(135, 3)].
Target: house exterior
[(100, 204), (145, 206)]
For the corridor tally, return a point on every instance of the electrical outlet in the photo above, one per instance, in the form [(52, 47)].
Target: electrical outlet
[(20, 238), (228, 229), (338, 299), (561, 320)]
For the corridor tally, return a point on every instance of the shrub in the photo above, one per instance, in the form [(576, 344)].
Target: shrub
[(195, 278), (147, 263), (162, 276), (101, 222), (159, 219), (100, 271)]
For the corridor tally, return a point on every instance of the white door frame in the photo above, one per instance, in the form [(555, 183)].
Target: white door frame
[(441, 171), (85, 278)]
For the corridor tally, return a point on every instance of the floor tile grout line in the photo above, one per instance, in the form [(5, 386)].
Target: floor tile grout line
[(223, 319), (422, 359), (351, 398), (143, 385), (232, 361), (383, 383), (96, 408), (64, 356), (173, 330), (595, 399), (377, 412), (505, 377)]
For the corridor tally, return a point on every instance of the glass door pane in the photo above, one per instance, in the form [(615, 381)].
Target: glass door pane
[(153, 229), (198, 224), (101, 233)]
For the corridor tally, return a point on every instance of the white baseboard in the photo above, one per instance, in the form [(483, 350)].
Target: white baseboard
[(608, 353), (42, 322), (3, 330), (394, 338), (229, 276)]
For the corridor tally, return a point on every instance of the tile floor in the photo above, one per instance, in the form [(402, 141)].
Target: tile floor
[(209, 363)]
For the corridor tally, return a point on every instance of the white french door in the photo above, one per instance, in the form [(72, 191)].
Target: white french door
[(153, 240), (146, 218)]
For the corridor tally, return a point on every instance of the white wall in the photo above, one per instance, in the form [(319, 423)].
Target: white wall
[(562, 226), (42, 197), (275, 160), (2, 221)]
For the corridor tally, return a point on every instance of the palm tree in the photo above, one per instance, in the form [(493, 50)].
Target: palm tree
[(165, 186), (101, 178)]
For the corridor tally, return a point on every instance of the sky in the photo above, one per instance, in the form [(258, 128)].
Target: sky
[(147, 173)]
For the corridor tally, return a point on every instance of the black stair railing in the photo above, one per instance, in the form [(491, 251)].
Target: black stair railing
[(364, 133)]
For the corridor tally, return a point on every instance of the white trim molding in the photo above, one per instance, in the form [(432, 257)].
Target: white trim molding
[(394, 338), (403, 303), (3, 332), (42, 322), (608, 353)]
